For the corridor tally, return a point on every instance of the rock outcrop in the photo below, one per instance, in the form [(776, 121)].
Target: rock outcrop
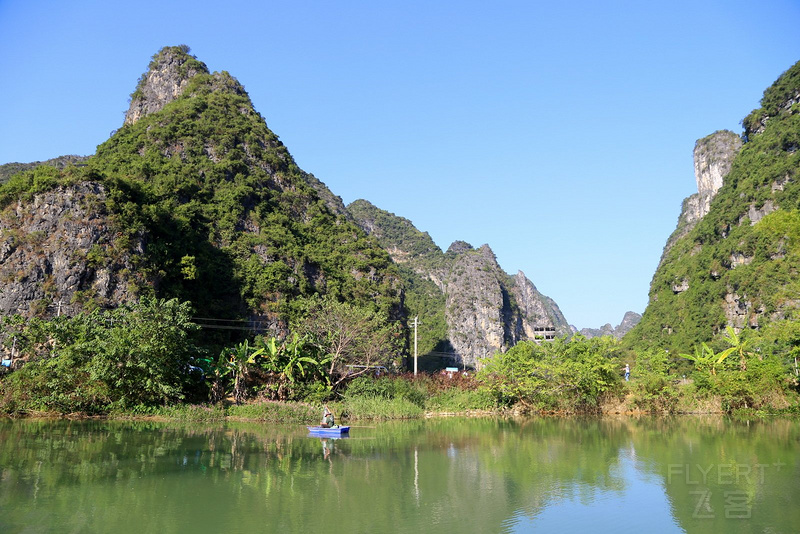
[(732, 261), (192, 198), (59, 253), (713, 157), (165, 80), (485, 310)]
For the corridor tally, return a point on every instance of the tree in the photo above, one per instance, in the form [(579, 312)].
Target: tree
[(349, 336), (145, 353)]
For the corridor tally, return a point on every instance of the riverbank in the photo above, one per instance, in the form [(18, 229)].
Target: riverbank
[(287, 412), (399, 397)]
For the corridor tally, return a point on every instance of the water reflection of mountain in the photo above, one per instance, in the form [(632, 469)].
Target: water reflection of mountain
[(447, 475)]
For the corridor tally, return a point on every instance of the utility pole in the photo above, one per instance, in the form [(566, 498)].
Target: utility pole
[(416, 322)]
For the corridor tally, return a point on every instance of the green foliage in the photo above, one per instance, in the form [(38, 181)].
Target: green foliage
[(706, 360), (275, 412), (425, 300), (415, 252), (366, 386), (436, 393), (774, 97), (292, 369), (177, 412), (398, 233), (461, 400), (379, 408), (24, 185), (652, 386), (388, 388), (217, 213), (564, 375), (223, 205), (753, 379), (134, 355)]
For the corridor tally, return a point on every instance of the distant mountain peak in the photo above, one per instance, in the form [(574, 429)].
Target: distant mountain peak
[(629, 320), (167, 76)]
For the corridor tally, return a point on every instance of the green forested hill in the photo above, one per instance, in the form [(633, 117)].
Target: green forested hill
[(416, 255), (215, 210), (739, 264)]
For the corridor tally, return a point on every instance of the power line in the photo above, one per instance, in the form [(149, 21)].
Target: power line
[(225, 327), (221, 320)]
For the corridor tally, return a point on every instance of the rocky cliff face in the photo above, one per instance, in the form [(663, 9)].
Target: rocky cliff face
[(59, 253), (713, 157), (169, 76), (165, 80), (474, 305), (485, 309)]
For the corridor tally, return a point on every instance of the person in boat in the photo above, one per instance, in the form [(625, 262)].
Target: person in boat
[(327, 418)]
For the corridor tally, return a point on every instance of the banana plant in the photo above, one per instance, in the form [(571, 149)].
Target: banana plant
[(229, 375), (292, 359), (299, 361), (705, 358), (737, 345)]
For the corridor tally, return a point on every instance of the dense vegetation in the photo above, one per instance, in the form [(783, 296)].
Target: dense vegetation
[(8, 170), (145, 359), (225, 206), (202, 195), (415, 253), (94, 362), (150, 354)]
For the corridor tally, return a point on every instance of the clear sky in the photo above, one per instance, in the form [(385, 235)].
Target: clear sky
[(560, 133)]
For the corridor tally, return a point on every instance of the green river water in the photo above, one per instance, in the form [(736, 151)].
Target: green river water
[(448, 475)]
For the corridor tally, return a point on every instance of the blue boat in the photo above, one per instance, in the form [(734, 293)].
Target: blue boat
[(332, 431)]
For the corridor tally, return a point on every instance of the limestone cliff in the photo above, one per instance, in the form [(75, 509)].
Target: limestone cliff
[(192, 198), (168, 77), (713, 157), (165, 80), (59, 252), (484, 309)]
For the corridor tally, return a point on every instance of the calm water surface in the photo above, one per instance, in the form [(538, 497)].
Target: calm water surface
[(686, 474)]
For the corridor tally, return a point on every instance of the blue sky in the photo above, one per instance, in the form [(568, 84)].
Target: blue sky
[(560, 133)]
